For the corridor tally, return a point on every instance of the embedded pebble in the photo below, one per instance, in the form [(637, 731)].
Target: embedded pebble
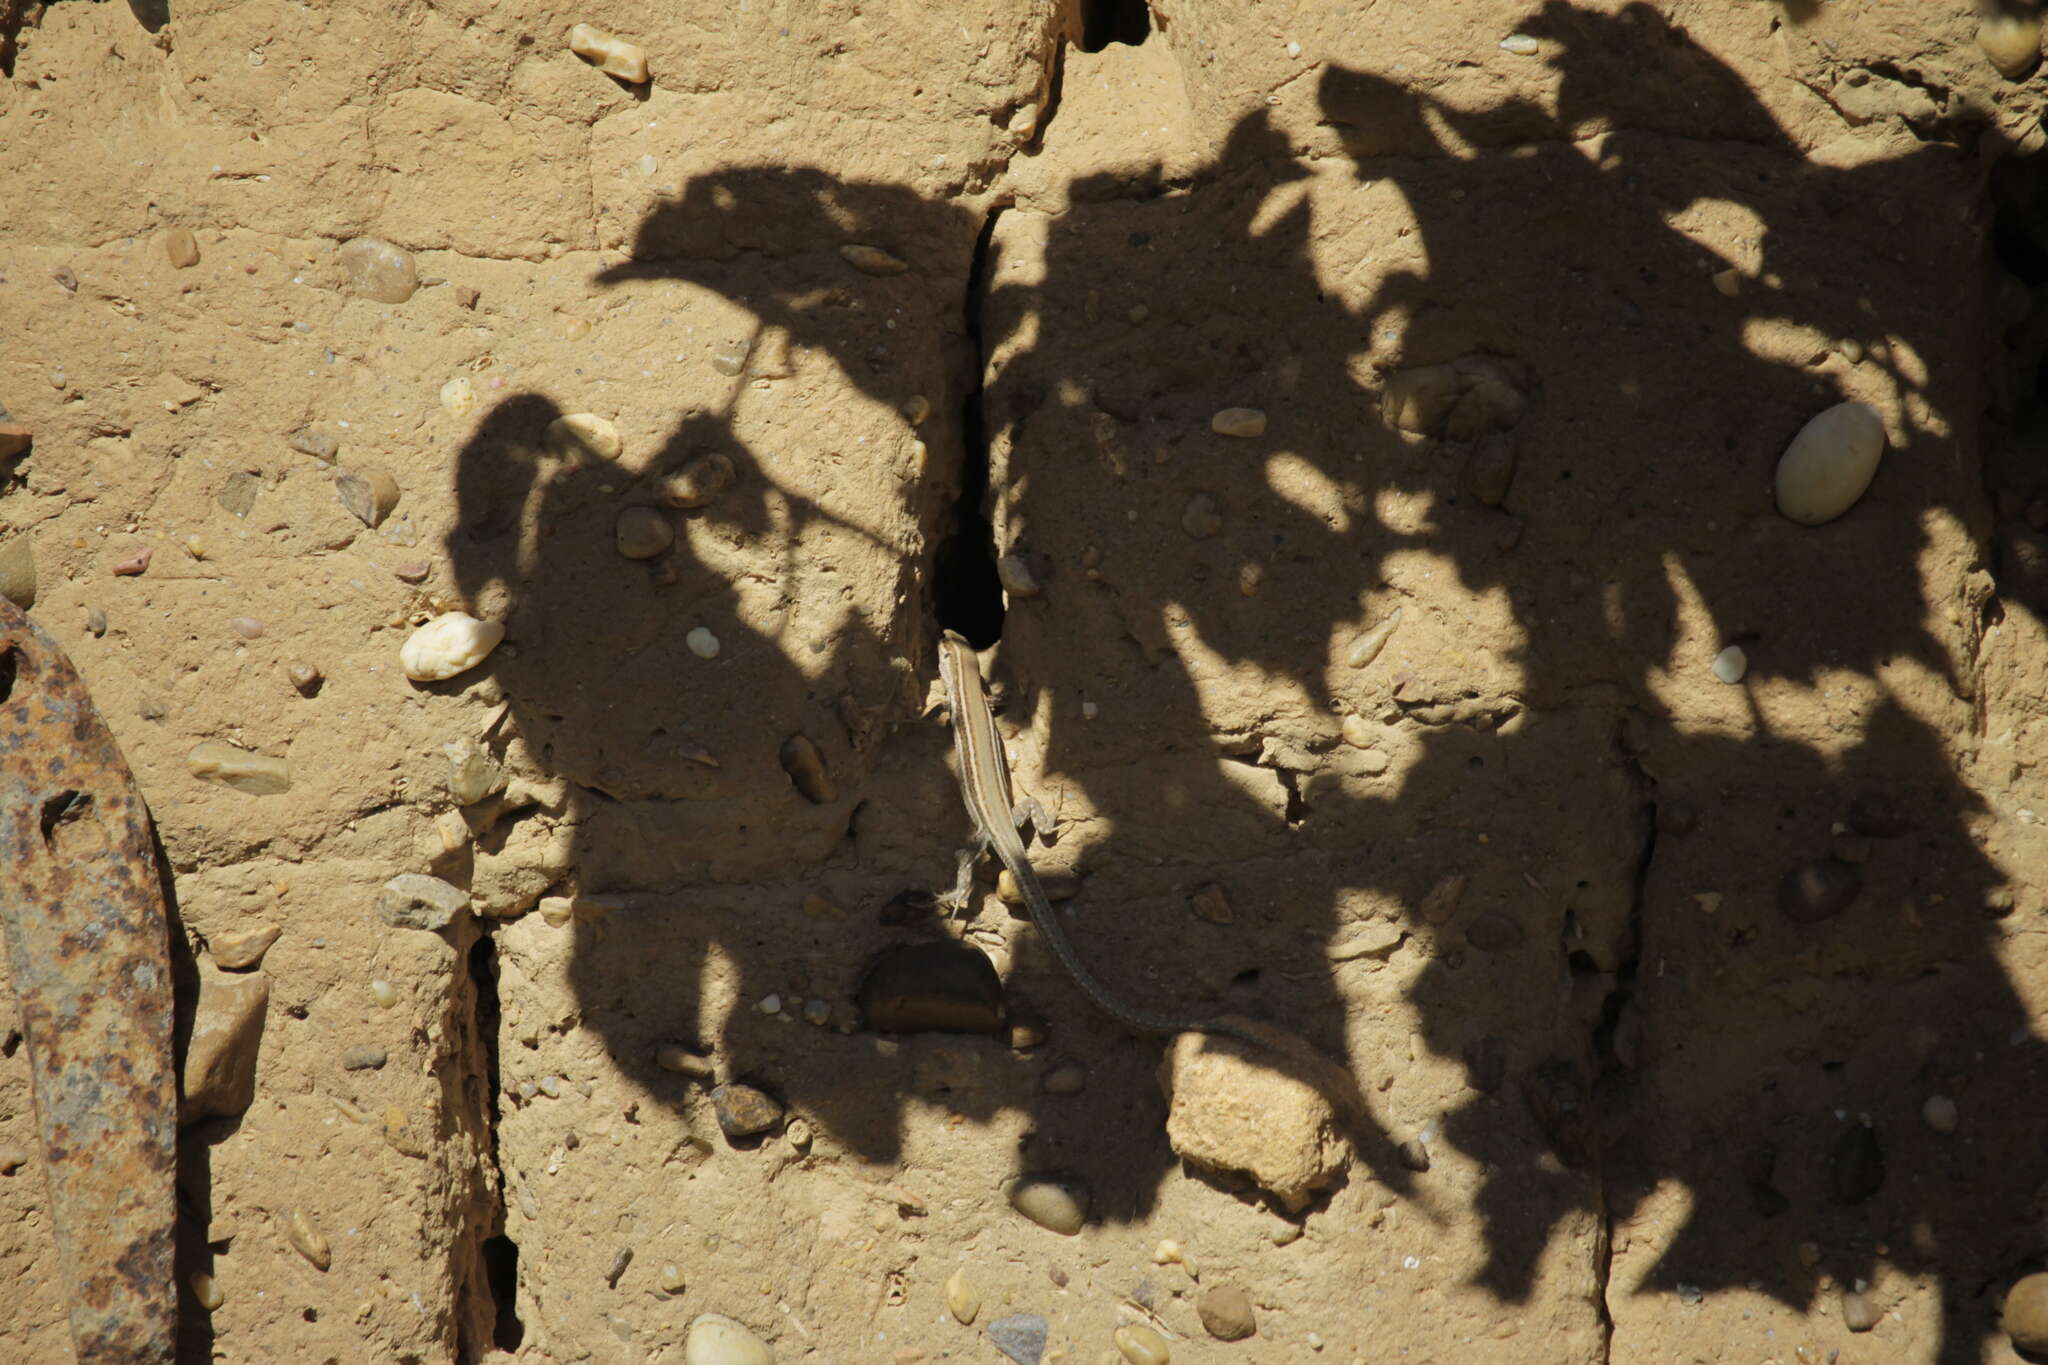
[(413, 900), (412, 571), (18, 572), (744, 1111), (137, 563), (318, 444), (96, 621), (1859, 1312), (66, 278), (238, 494), (684, 1062), (307, 1239), (1830, 463), (1238, 422), (670, 1279), (1065, 1078), (216, 760), (368, 494), (1020, 1336), (963, 1297), (1367, 647), (1727, 283), (1141, 1345), (1200, 518), (1056, 1203), (806, 768), (702, 643), (1211, 903), (12, 1159), (1015, 576), (378, 270), (451, 643), (916, 409), (699, 481), (613, 56), (1226, 1313), (181, 248), (799, 1134), (1519, 44), (1939, 1113), (576, 435), (364, 1058), (1358, 732), (1730, 665), (384, 993), (472, 773), (206, 1291), (248, 627), (458, 397), (15, 437), (872, 260), (2012, 42), (643, 533), (466, 296), (219, 1072), (621, 1259), (2025, 1315), (729, 360), (1818, 890), (305, 677), (240, 949), (933, 987)]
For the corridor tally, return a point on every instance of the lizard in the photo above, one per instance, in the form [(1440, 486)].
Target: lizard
[(985, 791)]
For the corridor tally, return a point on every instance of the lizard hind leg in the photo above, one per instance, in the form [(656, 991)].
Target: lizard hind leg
[(962, 894)]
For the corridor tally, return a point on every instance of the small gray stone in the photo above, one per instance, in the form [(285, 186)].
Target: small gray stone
[(363, 1059), (413, 900), (1859, 1313), (238, 494), (1021, 1337), (318, 444)]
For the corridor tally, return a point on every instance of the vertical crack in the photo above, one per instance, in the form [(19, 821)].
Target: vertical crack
[(967, 596), (490, 1288)]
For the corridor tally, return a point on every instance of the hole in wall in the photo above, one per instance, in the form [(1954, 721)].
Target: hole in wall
[(1114, 21)]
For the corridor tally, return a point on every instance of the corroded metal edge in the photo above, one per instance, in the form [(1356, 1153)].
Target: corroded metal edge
[(88, 943)]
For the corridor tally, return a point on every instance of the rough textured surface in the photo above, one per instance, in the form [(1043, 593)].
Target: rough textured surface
[(1227, 1112), (813, 271)]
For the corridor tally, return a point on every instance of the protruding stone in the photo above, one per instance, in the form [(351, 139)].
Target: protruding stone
[(579, 436), (239, 949), (216, 760), (613, 56), (453, 642), (18, 572), (413, 900), (716, 1339), (1226, 1313), (806, 769), (219, 1075), (1229, 1111), (368, 494), (697, 483), (743, 1110), (181, 248), (2025, 1316), (378, 270), (939, 986), (1021, 1337), (1056, 1203)]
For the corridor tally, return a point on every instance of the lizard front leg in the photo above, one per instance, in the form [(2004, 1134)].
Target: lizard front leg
[(962, 894)]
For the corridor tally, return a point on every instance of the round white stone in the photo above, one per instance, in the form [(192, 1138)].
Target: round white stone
[(1730, 664), (1830, 463), (447, 645)]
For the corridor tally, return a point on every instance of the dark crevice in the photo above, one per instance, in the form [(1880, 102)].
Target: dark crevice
[(967, 596), (498, 1253), (8, 667), (1114, 21)]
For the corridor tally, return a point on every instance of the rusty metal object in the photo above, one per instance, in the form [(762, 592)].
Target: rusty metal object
[(88, 943)]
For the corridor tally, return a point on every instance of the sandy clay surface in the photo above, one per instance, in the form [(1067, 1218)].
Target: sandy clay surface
[(1695, 1001)]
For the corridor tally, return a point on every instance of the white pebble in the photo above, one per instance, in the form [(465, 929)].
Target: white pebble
[(613, 56), (577, 434), (458, 397), (384, 993), (770, 1004), (451, 643), (1367, 647), (716, 1339), (1730, 664), (702, 643), (1830, 463), (1521, 44)]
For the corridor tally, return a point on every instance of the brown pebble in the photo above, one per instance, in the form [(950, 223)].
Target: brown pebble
[(939, 986), (1226, 1313), (743, 1110), (181, 247), (806, 769), (307, 1239), (305, 677), (1819, 890), (412, 571), (2025, 1317), (65, 276), (96, 621), (368, 494), (466, 296), (318, 444), (134, 564), (14, 438)]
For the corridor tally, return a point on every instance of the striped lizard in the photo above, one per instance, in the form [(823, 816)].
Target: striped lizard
[(985, 790)]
